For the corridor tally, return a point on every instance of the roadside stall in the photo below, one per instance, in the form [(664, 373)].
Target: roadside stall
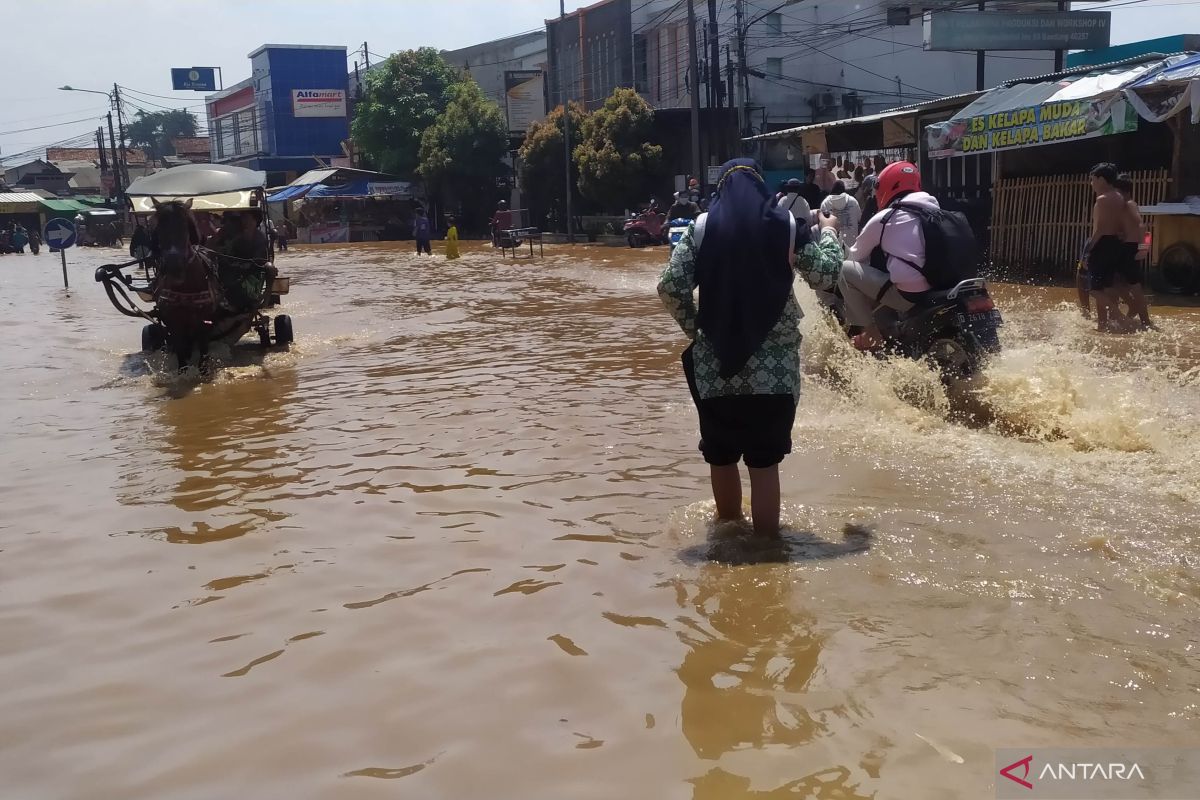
[(1043, 135), (346, 205), (1163, 97)]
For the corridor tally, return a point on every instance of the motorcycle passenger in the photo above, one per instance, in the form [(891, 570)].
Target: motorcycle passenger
[(885, 270), (793, 201), (683, 207)]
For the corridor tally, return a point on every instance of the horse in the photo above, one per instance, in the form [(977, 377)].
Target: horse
[(185, 290)]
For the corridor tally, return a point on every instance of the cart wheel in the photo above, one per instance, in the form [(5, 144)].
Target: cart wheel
[(283, 330), (154, 337), (264, 336)]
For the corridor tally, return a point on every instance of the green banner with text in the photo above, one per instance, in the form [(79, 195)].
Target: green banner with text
[(1049, 123)]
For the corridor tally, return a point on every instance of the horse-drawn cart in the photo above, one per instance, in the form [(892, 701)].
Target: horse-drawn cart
[(200, 292)]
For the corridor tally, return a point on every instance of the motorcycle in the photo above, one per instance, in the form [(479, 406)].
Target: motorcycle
[(676, 228), (957, 329), (647, 228)]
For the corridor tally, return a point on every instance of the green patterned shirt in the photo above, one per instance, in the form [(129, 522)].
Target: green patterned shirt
[(775, 366)]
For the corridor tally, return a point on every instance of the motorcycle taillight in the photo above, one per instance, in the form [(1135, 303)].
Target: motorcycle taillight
[(976, 305)]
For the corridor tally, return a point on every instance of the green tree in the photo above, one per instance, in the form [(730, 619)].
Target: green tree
[(462, 152), (618, 166), (402, 98), (154, 130), (541, 164)]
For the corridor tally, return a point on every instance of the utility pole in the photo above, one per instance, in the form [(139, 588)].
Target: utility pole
[(714, 59), (1058, 54), (980, 61), (694, 64), (100, 149), (566, 95), (366, 57), (741, 75), (118, 184), (121, 131)]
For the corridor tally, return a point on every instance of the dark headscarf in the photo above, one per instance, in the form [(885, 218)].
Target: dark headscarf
[(744, 267)]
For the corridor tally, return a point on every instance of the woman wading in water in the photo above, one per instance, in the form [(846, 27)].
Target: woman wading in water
[(743, 365)]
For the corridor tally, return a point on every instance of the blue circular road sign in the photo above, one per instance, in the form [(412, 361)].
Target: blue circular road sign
[(59, 233)]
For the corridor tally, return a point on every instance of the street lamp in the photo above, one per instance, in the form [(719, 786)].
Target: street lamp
[(89, 91)]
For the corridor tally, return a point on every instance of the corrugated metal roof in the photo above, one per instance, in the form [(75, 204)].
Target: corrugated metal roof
[(928, 105), (65, 205), (1067, 73), (20, 197)]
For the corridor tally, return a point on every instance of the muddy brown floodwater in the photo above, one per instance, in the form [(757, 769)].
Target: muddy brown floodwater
[(455, 544)]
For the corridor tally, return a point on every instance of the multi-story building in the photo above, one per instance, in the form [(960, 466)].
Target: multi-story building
[(289, 116), (809, 61), (511, 72), (590, 53)]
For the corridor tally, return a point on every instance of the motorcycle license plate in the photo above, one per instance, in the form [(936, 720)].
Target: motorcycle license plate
[(984, 319)]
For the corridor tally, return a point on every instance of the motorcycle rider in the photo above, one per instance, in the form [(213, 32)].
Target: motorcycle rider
[(683, 208), (885, 271)]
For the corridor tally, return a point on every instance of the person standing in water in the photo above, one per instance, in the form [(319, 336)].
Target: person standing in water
[(423, 232), (1131, 275), (1105, 250), (743, 365), (451, 239)]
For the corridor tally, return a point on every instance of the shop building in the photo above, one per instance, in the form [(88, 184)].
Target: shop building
[(289, 116)]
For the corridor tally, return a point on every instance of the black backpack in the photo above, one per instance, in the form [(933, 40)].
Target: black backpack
[(951, 252)]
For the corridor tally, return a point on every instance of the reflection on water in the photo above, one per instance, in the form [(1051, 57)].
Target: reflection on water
[(460, 532)]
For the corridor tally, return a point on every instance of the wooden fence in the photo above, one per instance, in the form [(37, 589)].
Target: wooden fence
[(1039, 224)]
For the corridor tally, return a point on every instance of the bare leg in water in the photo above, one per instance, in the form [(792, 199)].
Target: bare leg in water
[(764, 496), (1081, 286), (764, 500), (727, 491)]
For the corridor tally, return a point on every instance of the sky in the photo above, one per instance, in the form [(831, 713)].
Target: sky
[(76, 49)]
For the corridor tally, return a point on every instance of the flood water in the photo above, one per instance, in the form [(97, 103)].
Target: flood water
[(455, 544)]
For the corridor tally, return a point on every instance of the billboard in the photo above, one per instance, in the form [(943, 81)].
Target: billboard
[(1049, 123), (524, 99), (196, 79), (995, 30), (318, 103)]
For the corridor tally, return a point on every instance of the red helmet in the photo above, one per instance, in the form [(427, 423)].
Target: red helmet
[(896, 179)]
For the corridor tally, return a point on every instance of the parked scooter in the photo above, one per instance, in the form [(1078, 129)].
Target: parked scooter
[(645, 229)]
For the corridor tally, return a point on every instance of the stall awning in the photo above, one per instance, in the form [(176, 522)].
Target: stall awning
[(1065, 107), (65, 206), (19, 202), (891, 113), (290, 192)]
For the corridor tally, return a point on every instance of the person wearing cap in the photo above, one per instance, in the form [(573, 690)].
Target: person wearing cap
[(842, 205), (794, 202)]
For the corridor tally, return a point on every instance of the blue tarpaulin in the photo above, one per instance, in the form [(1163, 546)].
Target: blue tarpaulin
[(290, 193), (352, 189)]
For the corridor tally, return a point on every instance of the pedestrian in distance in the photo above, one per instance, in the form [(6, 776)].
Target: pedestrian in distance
[(743, 364), (1105, 251), (423, 232), (451, 239)]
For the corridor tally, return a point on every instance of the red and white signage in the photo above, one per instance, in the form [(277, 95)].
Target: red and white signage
[(318, 103)]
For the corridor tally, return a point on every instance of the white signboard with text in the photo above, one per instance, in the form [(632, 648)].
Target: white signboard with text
[(318, 103)]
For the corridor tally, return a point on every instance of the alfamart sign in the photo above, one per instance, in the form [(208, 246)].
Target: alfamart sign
[(318, 103), (1058, 121)]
